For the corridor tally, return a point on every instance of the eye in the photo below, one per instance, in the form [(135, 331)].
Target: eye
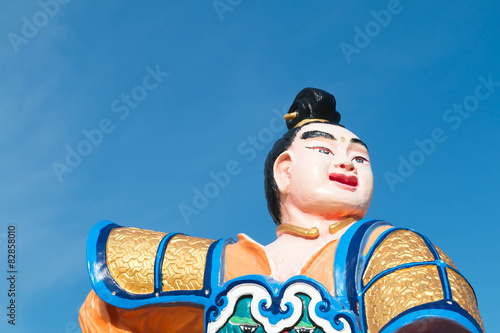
[(322, 150), (247, 328), (360, 159), (305, 330)]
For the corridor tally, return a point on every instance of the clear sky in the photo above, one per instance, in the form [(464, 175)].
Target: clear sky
[(182, 90)]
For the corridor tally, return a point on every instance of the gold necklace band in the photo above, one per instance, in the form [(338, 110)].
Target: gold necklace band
[(312, 233), (294, 230), (336, 227)]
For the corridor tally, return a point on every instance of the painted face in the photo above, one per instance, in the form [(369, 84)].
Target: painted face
[(329, 172)]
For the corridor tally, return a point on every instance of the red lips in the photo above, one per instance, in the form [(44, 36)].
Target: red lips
[(343, 179)]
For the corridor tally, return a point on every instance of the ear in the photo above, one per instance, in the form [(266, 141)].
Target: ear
[(281, 171)]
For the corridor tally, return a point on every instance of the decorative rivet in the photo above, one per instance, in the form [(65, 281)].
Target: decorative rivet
[(113, 293)]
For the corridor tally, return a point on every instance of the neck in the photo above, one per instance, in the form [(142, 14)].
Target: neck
[(299, 239), (299, 224)]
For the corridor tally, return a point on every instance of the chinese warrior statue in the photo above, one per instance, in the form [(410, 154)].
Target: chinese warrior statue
[(329, 270)]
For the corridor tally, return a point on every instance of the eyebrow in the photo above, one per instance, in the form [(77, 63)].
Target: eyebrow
[(321, 134), (316, 134), (355, 140)]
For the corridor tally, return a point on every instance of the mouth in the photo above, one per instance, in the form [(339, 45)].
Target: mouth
[(343, 179)]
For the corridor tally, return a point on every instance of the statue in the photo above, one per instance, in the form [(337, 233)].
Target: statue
[(329, 270)]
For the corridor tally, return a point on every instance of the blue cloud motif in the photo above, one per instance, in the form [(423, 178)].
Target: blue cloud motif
[(299, 304)]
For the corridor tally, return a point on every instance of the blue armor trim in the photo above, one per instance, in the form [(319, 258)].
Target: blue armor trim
[(159, 260), (439, 310), (346, 260)]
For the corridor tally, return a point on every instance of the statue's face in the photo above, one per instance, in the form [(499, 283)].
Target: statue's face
[(326, 172)]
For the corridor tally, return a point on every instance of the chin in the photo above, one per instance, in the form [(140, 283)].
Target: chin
[(340, 210)]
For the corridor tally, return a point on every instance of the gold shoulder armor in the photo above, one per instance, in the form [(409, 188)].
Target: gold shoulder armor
[(184, 263), (131, 255), (406, 271)]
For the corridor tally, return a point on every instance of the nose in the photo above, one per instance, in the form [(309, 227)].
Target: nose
[(347, 165)]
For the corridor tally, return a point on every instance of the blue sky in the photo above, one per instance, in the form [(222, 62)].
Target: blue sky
[(222, 77)]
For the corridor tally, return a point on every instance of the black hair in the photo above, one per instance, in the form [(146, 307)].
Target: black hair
[(310, 103)]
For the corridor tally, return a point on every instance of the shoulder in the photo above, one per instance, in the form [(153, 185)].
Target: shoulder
[(405, 277), (246, 257), (131, 267)]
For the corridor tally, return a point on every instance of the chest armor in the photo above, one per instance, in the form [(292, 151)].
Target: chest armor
[(404, 278)]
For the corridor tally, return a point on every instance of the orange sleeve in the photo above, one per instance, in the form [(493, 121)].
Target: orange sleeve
[(99, 316)]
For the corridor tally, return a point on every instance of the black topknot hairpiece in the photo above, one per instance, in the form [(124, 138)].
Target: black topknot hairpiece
[(310, 105)]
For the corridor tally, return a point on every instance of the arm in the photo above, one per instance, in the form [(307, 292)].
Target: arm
[(409, 285), (146, 281)]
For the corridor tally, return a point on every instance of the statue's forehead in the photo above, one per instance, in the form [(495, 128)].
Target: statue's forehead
[(340, 133)]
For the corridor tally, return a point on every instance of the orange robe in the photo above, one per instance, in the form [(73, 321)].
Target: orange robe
[(99, 316)]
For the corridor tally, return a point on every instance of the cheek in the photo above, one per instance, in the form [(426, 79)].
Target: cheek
[(313, 166), (309, 177), (366, 178)]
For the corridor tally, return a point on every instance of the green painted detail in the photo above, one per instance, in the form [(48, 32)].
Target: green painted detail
[(241, 318), (235, 320), (305, 320), (303, 324), (243, 308)]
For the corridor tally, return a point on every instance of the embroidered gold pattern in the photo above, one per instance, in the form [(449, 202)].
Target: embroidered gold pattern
[(400, 247), (462, 294), (184, 263), (445, 258), (130, 256), (399, 291)]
